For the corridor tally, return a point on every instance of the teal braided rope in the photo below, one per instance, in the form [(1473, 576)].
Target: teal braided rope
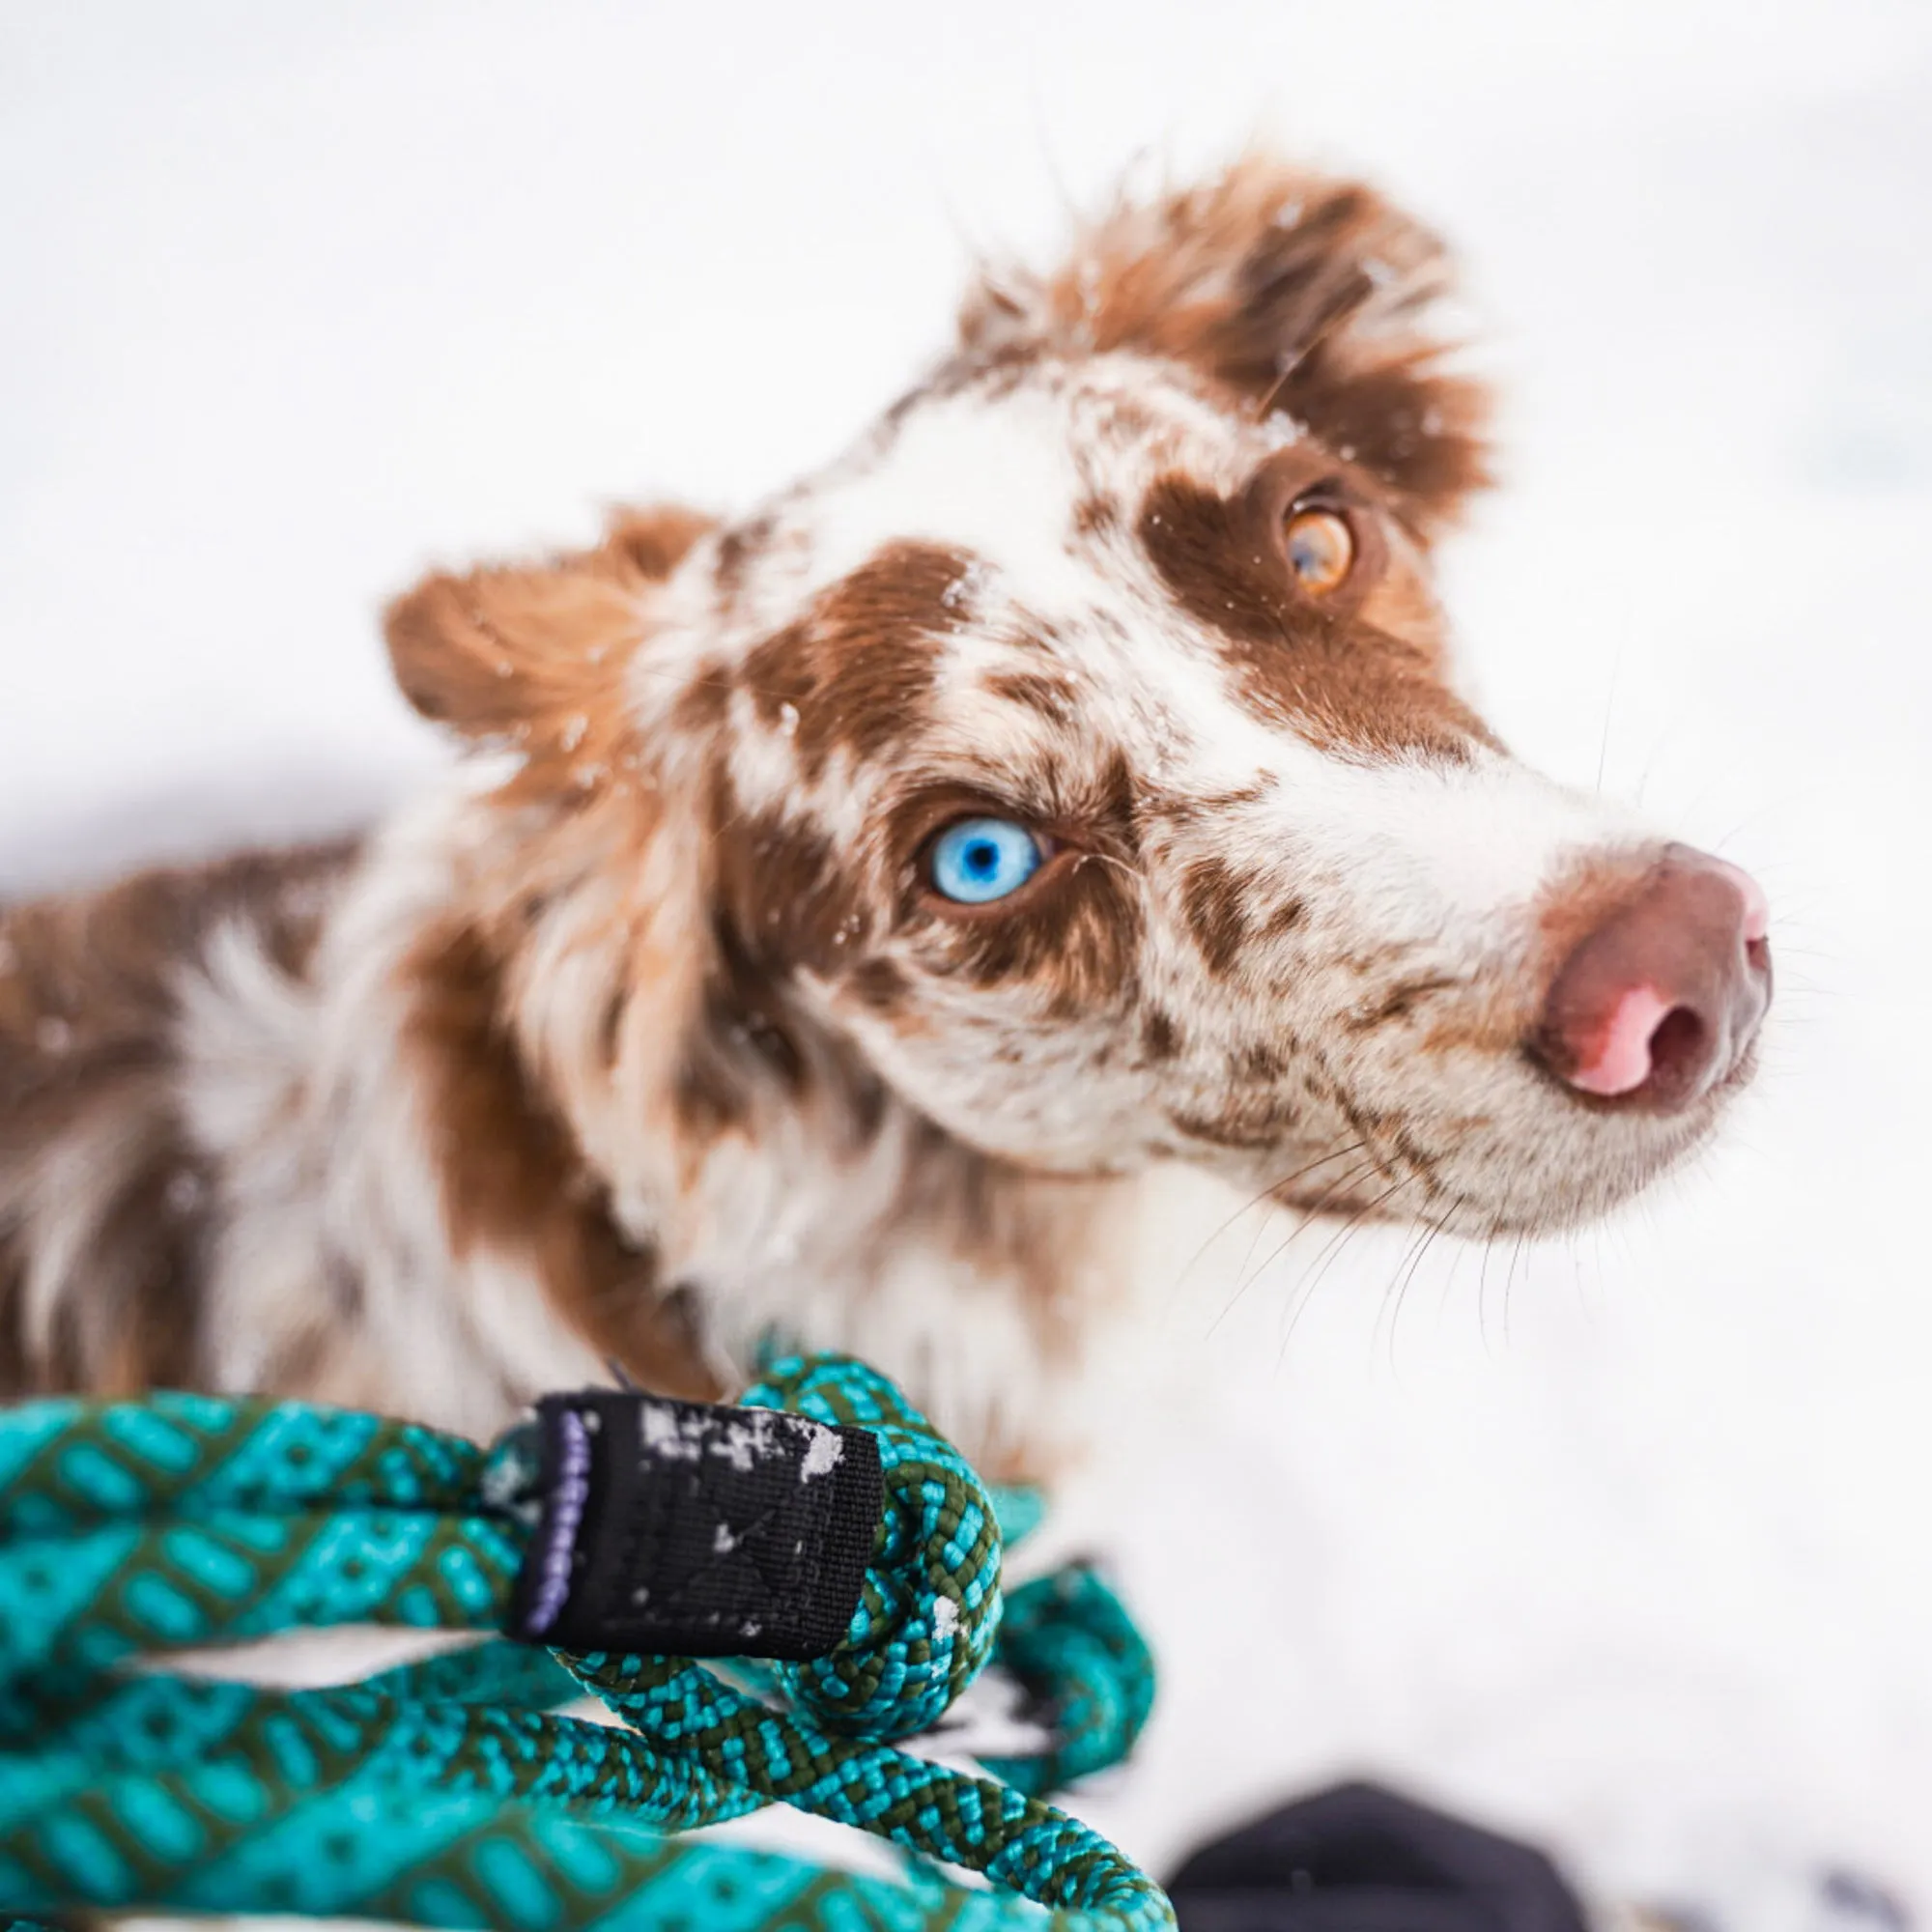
[(1071, 1645), (68, 1464), (183, 1520), (446, 1793)]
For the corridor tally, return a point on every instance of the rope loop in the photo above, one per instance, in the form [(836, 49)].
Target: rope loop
[(930, 1610), (1071, 1645)]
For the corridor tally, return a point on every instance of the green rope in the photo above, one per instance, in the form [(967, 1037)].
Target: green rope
[(451, 1792)]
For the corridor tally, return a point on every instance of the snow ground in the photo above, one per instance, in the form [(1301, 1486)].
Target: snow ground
[(1622, 1540)]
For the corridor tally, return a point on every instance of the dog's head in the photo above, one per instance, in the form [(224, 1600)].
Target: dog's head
[(1079, 761)]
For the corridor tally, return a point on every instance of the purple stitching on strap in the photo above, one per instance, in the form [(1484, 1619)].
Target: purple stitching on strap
[(561, 1522)]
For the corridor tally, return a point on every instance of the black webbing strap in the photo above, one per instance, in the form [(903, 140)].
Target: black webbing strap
[(687, 1529)]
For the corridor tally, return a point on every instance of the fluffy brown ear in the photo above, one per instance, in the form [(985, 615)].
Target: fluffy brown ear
[(532, 656), (1293, 291), (562, 999)]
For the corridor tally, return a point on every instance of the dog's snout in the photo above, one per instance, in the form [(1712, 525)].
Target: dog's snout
[(1660, 1001)]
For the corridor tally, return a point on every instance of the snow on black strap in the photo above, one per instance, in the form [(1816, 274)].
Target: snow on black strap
[(683, 1528)]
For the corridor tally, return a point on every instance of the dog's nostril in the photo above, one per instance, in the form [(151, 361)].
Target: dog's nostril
[(1678, 1049), (1660, 1001)]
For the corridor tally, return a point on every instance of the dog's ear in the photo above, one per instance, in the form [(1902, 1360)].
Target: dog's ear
[(532, 656), (1293, 293), (583, 939)]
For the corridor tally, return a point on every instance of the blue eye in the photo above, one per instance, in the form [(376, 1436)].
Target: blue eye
[(980, 860)]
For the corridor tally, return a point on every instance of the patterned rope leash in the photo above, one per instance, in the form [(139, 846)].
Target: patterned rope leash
[(822, 1525)]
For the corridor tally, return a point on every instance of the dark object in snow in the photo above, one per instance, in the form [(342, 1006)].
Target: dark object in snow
[(1852, 1897), (1359, 1859)]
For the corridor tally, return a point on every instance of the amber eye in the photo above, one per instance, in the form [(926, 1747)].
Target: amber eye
[(1320, 549)]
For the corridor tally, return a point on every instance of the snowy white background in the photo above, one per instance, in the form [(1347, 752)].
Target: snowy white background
[(1625, 1539)]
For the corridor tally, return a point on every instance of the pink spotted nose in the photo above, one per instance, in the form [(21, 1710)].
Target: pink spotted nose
[(1660, 1002)]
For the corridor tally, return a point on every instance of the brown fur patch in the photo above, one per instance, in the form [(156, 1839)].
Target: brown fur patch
[(1398, 1003), (705, 703), (881, 984), (1291, 291), (856, 673), (1097, 518), (512, 1179), (739, 1043), (781, 891), (1229, 1130), (87, 1067), (1336, 678), (1160, 1038), (990, 370), (644, 546), (782, 902), (1214, 907), (736, 547), (1262, 1060), (1189, 808), (1053, 697)]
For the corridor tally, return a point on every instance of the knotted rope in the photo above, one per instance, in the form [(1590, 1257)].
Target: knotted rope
[(450, 1792)]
